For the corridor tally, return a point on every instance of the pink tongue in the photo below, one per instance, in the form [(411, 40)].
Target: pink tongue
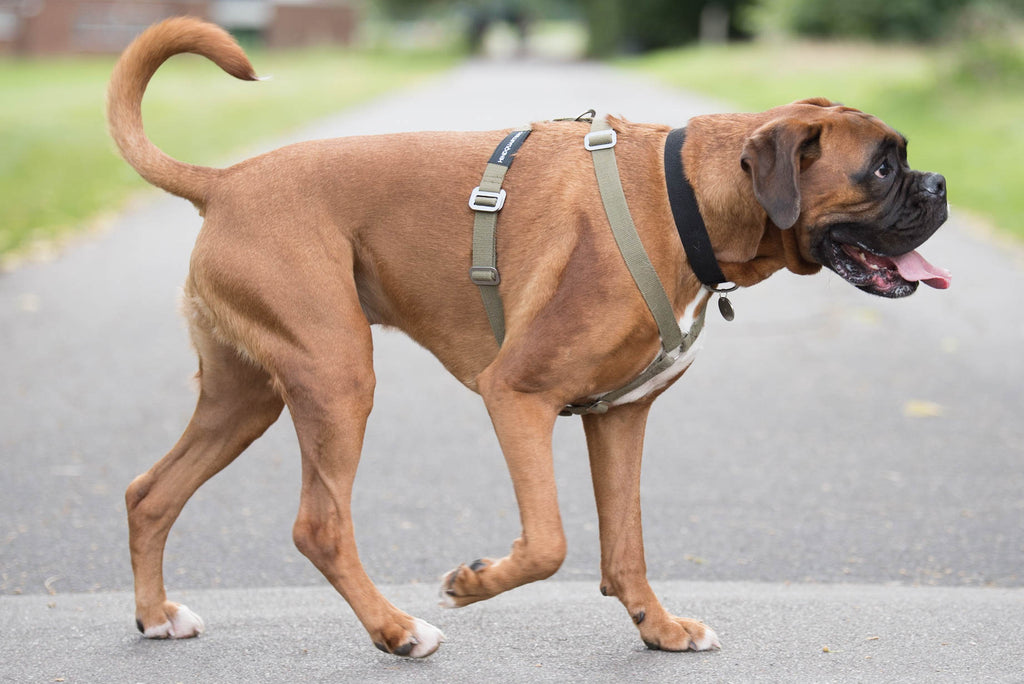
[(913, 266)]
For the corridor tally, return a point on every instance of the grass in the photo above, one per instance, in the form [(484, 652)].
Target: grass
[(58, 166), (973, 134)]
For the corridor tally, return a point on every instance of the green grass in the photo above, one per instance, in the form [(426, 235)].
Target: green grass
[(58, 166), (972, 134)]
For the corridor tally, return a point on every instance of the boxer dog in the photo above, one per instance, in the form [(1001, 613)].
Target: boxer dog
[(306, 247)]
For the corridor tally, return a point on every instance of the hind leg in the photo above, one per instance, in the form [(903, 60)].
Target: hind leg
[(237, 403), (328, 384)]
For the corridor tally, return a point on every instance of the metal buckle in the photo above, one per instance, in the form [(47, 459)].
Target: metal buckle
[(602, 141), (484, 275), (598, 407), (483, 200)]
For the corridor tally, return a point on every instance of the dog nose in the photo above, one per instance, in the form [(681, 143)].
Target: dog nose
[(935, 183)]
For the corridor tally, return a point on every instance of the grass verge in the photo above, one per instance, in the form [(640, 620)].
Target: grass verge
[(970, 133), (59, 166)]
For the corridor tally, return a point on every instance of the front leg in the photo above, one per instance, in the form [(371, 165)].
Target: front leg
[(524, 424), (615, 441)]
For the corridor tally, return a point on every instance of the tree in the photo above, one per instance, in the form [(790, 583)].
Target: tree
[(642, 25)]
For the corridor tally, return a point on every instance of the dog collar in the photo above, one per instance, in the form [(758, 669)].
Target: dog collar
[(693, 233)]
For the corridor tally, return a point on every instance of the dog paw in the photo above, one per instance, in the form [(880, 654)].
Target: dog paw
[(181, 623), (463, 586), (423, 639), (679, 634)]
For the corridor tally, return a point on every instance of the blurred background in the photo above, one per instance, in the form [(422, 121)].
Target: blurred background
[(948, 73)]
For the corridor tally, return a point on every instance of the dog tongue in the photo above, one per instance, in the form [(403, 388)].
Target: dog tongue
[(913, 266)]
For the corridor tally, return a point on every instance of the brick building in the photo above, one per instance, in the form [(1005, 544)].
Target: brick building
[(38, 27)]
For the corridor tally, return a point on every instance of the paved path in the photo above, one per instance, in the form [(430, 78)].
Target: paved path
[(828, 457)]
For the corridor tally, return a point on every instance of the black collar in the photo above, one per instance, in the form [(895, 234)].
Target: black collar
[(689, 223)]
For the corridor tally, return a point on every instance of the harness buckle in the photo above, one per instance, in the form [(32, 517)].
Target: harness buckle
[(599, 140), (484, 275), (598, 407), (484, 200)]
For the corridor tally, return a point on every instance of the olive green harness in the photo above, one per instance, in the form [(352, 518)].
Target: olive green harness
[(488, 198)]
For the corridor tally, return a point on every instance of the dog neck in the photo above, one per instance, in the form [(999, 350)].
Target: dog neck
[(748, 247)]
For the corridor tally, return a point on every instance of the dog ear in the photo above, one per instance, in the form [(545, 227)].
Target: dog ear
[(774, 156), (817, 102)]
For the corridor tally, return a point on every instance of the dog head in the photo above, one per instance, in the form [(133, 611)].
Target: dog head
[(839, 179)]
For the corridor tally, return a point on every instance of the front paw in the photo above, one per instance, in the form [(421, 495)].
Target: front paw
[(419, 640), (677, 634), (178, 623), (465, 584)]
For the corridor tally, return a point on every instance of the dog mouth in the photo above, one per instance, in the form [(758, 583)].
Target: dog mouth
[(885, 276)]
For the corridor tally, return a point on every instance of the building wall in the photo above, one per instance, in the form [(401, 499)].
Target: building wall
[(299, 25), (89, 26), (37, 27)]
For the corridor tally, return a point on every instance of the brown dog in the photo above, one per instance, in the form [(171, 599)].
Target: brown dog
[(304, 248)]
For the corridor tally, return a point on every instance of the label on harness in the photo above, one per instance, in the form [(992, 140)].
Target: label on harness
[(506, 151)]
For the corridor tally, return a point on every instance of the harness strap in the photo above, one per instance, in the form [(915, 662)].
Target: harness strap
[(661, 363), (674, 343), (601, 142), (486, 201)]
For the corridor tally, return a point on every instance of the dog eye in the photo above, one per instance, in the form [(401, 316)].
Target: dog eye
[(884, 170)]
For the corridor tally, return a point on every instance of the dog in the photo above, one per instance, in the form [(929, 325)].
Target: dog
[(304, 248)]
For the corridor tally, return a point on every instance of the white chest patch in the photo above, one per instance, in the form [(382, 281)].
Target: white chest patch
[(681, 363)]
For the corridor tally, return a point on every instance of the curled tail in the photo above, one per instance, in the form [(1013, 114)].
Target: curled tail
[(128, 83)]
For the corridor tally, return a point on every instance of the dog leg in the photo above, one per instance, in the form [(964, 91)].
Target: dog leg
[(328, 385), (236, 405), (524, 424), (615, 442)]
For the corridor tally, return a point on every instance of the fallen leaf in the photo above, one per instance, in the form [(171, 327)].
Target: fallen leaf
[(919, 408)]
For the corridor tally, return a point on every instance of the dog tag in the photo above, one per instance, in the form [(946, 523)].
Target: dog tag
[(725, 308)]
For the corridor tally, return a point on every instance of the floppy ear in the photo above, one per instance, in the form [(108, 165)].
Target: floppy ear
[(817, 102), (774, 156)]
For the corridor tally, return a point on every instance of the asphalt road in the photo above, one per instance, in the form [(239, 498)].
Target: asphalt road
[(836, 486)]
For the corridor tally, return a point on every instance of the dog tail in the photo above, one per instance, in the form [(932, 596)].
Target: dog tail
[(128, 83)]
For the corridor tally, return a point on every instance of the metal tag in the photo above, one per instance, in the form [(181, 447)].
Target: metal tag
[(725, 308)]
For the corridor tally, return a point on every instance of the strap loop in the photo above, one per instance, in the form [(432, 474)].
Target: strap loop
[(482, 200), (484, 275), (599, 140)]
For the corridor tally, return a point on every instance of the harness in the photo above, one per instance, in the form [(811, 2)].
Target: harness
[(488, 198)]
